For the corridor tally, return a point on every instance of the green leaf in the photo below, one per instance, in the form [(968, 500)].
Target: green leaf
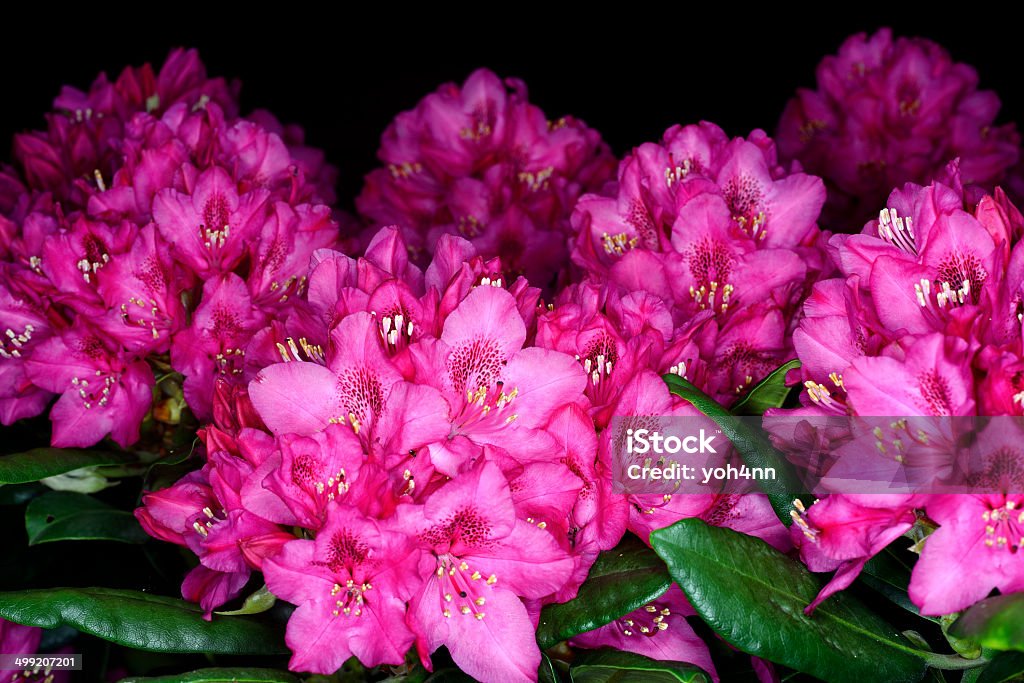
[(141, 621), (258, 602), (221, 676), (1004, 667), (607, 666), (997, 623), (63, 516), (41, 463), (754, 597), (888, 575), (19, 494), (752, 446), (622, 579), (547, 673), (771, 392)]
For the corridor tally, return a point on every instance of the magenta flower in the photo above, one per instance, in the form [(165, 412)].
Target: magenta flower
[(973, 551), (310, 473), (842, 532), (889, 111), (103, 390), (496, 389), (479, 561), (213, 345), (482, 162), (27, 328), (350, 585), (658, 630)]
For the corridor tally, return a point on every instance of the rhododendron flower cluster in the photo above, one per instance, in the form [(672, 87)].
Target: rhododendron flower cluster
[(441, 466), (889, 111), (721, 233), (155, 231), (481, 162), (926, 321)]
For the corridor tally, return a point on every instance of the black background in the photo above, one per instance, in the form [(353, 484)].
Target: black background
[(628, 76)]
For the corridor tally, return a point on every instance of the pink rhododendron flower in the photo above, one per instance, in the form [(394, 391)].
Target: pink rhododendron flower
[(479, 559), (658, 630), (103, 390), (482, 162), (888, 111), (973, 551), (351, 585)]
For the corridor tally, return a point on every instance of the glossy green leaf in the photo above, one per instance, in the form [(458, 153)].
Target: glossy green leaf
[(754, 597), (258, 602), (142, 621), (42, 463), (997, 623), (888, 575), (622, 579), (64, 516), (770, 392), (547, 672), (616, 666), (243, 675), (1004, 668), (752, 446)]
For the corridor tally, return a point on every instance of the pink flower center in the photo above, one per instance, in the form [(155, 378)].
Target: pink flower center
[(203, 527), (350, 598), (215, 229), (461, 589), (647, 623), (1004, 527), (897, 231), (308, 473), (475, 364), (486, 406), (710, 264), (935, 393), (12, 343), (96, 256), (745, 198), (396, 329), (599, 358)]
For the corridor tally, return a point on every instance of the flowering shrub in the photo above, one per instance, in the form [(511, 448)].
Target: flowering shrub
[(378, 450)]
